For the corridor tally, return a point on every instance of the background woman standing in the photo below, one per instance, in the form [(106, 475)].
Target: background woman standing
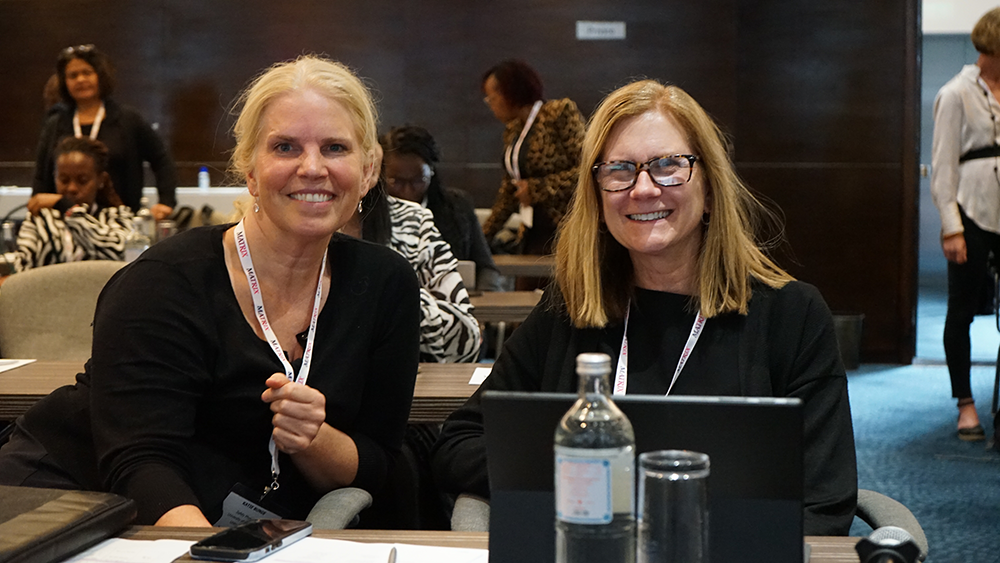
[(86, 81), (541, 151)]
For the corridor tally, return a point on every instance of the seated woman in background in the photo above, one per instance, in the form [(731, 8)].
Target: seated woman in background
[(448, 330), (84, 220), (657, 243), (229, 360), (411, 174), (86, 82)]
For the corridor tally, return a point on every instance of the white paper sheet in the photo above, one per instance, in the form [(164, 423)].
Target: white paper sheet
[(308, 550), (479, 375), (117, 550), (11, 364)]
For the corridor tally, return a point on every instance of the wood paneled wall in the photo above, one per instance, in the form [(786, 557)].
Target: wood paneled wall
[(819, 98)]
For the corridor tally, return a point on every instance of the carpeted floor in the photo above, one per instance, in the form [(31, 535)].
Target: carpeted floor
[(904, 426)]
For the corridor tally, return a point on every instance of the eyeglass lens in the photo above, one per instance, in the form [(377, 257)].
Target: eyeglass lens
[(666, 171), (418, 183)]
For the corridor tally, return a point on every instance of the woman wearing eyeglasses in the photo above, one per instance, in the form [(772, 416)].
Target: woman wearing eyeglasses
[(541, 151), (658, 252), (411, 174), (86, 82)]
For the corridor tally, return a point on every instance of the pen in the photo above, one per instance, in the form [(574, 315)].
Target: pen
[(392, 555)]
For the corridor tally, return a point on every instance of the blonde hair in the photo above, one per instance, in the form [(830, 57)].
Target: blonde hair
[(329, 78), (594, 271), (986, 33)]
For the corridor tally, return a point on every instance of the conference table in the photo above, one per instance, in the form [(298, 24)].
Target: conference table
[(824, 549), (439, 390), (504, 306), (525, 265)]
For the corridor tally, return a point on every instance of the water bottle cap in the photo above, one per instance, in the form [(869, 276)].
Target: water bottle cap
[(203, 169), (593, 364)]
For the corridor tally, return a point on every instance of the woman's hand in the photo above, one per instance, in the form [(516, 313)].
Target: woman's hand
[(160, 211), (521, 193), (42, 201), (954, 248), (186, 515), (299, 413)]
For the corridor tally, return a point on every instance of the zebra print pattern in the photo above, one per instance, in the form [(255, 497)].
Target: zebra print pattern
[(448, 331), (53, 238)]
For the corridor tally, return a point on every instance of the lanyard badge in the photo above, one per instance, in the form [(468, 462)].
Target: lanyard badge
[(243, 250), (621, 375)]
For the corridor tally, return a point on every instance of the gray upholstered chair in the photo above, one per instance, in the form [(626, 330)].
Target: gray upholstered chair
[(47, 313), (878, 510), (339, 509)]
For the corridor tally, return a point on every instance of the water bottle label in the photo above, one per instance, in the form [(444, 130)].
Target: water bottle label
[(583, 488)]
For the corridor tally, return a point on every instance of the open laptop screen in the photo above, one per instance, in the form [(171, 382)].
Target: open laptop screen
[(755, 486)]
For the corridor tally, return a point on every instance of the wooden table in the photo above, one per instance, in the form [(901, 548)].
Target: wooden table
[(440, 388), (530, 265), (824, 549), (504, 306)]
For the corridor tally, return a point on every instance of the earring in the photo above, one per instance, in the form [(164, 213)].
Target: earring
[(256, 208), (359, 207), (705, 217)]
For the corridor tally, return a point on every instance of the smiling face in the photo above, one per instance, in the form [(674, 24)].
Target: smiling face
[(77, 178), (309, 171), (82, 81), (660, 227)]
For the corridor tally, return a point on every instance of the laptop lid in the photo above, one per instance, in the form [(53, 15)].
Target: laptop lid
[(755, 485)]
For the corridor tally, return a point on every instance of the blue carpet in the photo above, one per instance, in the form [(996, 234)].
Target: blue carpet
[(904, 428)]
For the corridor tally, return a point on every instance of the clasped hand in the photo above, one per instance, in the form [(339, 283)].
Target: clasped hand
[(299, 413)]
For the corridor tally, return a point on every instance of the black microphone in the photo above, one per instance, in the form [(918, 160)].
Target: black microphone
[(888, 544)]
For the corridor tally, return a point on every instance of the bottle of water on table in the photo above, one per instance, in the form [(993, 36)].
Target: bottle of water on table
[(594, 473)]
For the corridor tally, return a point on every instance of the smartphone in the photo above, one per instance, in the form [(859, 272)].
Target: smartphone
[(251, 541)]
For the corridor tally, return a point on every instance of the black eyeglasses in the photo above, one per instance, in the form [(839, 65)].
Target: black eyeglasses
[(68, 52), (421, 183), (664, 171)]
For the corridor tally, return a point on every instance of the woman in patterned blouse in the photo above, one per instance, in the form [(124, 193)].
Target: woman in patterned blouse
[(448, 330), (84, 220), (541, 151)]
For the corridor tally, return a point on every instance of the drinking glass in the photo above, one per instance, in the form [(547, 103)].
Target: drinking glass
[(673, 507)]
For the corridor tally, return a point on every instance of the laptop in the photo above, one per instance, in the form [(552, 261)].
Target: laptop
[(755, 485)]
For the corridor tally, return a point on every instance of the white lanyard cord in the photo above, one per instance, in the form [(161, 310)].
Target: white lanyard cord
[(514, 151), (243, 250), (621, 375), (98, 119)]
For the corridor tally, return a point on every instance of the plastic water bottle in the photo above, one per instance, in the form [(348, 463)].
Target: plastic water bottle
[(594, 473), (146, 223), (137, 242), (204, 180)]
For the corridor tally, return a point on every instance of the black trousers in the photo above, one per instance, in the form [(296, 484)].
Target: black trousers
[(965, 287)]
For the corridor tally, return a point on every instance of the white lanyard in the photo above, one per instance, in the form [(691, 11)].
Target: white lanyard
[(621, 376), (78, 132), (258, 305), (513, 151)]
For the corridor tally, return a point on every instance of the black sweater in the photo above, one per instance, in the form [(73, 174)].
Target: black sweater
[(130, 141), (784, 347), (176, 375)]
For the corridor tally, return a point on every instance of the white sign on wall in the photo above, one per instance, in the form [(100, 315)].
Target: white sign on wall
[(590, 30)]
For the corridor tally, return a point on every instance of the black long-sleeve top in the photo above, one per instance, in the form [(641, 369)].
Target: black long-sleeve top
[(130, 141), (172, 391), (784, 347)]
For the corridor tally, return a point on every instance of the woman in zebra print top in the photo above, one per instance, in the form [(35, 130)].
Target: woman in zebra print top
[(85, 220), (448, 330)]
